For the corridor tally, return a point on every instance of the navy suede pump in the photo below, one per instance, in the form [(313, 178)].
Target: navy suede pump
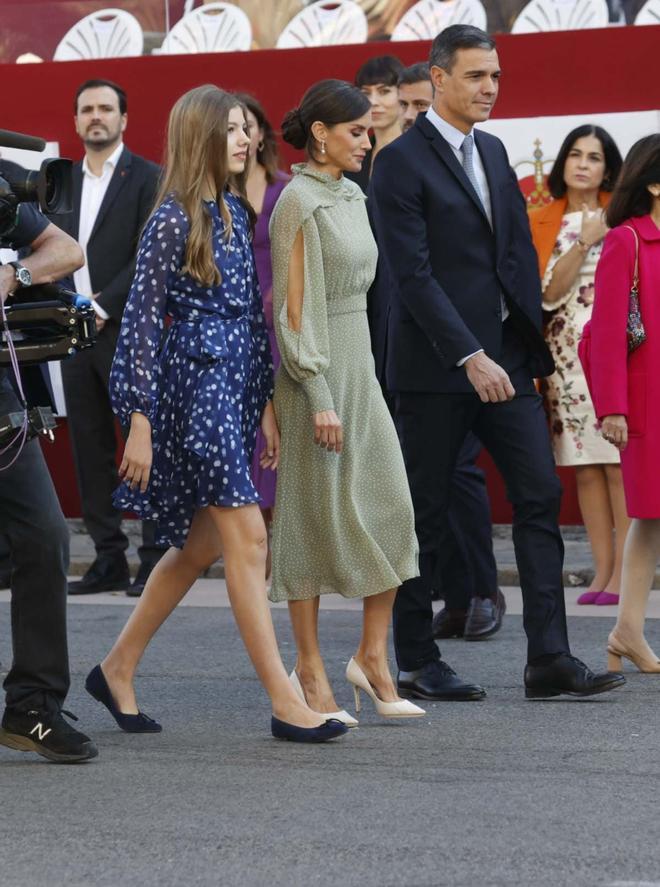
[(97, 686), (331, 729)]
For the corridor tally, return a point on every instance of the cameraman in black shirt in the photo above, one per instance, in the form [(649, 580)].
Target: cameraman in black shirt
[(32, 522)]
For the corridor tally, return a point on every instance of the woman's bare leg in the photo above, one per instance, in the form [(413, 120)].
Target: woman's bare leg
[(594, 499), (309, 664), (168, 584), (243, 535), (621, 523), (371, 655), (640, 558)]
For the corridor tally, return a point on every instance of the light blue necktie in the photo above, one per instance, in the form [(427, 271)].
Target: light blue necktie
[(467, 150)]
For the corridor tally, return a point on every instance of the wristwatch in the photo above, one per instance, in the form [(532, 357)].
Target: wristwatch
[(23, 276)]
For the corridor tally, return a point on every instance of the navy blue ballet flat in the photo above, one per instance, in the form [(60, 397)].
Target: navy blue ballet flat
[(97, 686), (331, 729)]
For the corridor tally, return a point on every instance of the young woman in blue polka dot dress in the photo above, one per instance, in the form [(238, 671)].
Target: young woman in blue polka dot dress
[(194, 398)]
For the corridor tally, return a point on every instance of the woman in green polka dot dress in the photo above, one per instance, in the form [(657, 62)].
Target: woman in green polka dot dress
[(344, 519)]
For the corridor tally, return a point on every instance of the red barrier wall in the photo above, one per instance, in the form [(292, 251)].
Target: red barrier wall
[(578, 72)]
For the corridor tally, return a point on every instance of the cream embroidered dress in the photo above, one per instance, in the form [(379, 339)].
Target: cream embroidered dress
[(343, 522), (575, 436)]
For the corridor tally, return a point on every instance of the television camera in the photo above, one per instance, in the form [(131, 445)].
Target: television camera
[(44, 322)]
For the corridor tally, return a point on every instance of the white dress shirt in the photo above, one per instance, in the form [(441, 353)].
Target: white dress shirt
[(93, 192), (455, 139)]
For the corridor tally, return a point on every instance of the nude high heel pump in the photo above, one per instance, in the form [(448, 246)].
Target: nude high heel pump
[(617, 651), (342, 716), (402, 709)]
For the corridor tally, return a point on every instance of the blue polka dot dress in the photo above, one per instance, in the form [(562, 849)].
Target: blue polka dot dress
[(204, 382)]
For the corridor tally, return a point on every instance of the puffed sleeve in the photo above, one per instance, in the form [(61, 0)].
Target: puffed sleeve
[(134, 378), (305, 354), (609, 342)]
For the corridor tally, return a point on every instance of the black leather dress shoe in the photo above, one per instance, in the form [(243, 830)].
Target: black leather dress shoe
[(449, 624), (484, 618), (105, 574), (437, 681), (137, 586), (566, 674)]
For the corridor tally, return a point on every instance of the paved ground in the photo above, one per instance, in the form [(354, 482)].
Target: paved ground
[(500, 793), (578, 568)]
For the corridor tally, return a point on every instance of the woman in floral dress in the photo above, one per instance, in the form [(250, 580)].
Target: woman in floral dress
[(568, 236)]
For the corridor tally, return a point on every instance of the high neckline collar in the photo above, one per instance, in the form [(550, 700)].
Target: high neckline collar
[(325, 177)]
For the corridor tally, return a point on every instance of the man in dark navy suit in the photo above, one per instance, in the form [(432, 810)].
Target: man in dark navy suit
[(463, 346)]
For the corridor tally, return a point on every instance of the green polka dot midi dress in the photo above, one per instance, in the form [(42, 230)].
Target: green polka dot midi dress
[(343, 523)]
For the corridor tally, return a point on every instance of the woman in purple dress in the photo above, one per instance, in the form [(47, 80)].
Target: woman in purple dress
[(265, 183)]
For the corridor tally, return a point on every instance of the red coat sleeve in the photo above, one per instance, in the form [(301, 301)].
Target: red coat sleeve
[(609, 344)]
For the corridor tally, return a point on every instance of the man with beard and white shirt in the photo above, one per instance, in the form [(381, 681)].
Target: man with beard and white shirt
[(113, 194), (415, 93)]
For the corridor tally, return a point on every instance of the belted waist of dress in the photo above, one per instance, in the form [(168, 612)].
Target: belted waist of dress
[(347, 305), (209, 319), (205, 335)]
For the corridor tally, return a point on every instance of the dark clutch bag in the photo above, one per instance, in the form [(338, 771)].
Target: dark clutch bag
[(635, 332)]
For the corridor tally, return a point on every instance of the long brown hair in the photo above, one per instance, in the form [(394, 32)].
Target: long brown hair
[(641, 168), (196, 153), (268, 155)]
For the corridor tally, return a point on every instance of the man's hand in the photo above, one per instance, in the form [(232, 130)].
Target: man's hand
[(100, 323), (615, 430), (488, 379), (328, 432), (7, 282)]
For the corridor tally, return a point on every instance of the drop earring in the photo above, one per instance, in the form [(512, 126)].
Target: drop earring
[(322, 146)]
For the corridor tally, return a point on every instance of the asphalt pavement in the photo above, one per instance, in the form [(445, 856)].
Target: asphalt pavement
[(499, 793)]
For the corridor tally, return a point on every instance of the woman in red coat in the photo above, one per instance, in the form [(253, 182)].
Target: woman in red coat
[(626, 386)]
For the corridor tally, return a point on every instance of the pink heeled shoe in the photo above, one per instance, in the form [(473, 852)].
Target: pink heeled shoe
[(588, 597), (606, 598)]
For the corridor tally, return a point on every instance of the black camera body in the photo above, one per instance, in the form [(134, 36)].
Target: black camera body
[(50, 187), (45, 322)]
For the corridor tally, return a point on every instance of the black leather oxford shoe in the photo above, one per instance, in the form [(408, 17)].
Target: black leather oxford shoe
[(449, 624), (105, 574), (484, 618), (568, 675), (437, 681)]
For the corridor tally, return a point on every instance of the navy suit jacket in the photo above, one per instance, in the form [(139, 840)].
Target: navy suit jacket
[(112, 245), (437, 294)]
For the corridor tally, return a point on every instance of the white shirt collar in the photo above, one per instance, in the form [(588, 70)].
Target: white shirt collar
[(109, 163), (454, 136)]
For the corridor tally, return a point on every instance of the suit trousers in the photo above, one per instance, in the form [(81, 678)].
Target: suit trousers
[(91, 424), (468, 567), (432, 429), (37, 537)]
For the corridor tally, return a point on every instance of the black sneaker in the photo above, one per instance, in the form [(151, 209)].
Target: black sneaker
[(47, 734)]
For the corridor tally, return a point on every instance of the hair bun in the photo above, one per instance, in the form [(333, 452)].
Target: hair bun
[(293, 129)]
